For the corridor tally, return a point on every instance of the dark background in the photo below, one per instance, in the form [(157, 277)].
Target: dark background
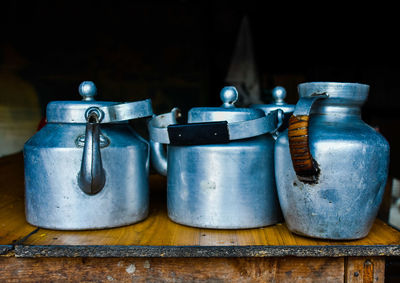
[(178, 52)]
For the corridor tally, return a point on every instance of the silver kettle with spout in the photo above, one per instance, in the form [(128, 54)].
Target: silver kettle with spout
[(219, 166), (87, 168)]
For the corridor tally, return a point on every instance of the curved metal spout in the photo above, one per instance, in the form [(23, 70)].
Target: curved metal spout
[(158, 154), (91, 178)]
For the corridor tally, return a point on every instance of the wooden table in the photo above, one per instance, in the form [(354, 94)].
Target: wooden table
[(158, 249)]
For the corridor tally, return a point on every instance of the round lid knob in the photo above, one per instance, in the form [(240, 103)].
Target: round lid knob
[(87, 90), (279, 94), (229, 95), (226, 112)]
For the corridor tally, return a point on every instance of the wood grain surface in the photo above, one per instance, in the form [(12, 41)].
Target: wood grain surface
[(172, 270), (364, 270), (159, 236), (289, 269)]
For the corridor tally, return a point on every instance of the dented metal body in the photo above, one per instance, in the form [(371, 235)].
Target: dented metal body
[(352, 160)]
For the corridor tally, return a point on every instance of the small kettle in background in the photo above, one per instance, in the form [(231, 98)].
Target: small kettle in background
[(279, 95)]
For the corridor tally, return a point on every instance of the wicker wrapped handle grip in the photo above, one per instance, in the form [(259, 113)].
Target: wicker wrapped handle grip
[(304, 165)]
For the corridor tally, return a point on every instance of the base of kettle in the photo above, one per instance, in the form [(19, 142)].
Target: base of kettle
[(225, 227), (87, 228), (328, 237)]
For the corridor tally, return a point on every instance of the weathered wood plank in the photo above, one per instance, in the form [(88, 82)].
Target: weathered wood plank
[(201, 251), (365, 270), (172, 270)]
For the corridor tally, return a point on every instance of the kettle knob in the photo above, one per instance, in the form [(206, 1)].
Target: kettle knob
[(229, 95), (279, 94), (87, 90)]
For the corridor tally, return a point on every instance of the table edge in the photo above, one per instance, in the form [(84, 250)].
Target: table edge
[(30, 251), (5, 249)]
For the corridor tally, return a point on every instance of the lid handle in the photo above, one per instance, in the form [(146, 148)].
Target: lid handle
[(229, 95), (87, 90), (279, 95)]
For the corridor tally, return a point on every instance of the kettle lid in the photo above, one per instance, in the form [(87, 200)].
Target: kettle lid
[(279, 95), (76, 111), (226, 112)]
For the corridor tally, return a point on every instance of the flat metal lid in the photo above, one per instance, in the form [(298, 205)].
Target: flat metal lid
[(74, 111), (109, 112), (71, 111), (279, 95), (227, 112)]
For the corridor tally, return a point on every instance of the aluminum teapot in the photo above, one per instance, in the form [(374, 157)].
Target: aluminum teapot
[(279, 95), (219, 166), (87, 168), (331, 167)]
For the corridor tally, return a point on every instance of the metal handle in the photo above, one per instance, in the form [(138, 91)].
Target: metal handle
[(91, 178), (158, 154), (126, 111), (117, 112), (161, 132), (304, 164), (280, 115)]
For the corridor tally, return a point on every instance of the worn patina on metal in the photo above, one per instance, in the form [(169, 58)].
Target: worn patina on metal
[(87, 168), (218, 182), (331, 167)]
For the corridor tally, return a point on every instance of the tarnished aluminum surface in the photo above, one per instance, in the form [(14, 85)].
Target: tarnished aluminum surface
[(89, 174), (352, 159), (224, 186), (228, 186)]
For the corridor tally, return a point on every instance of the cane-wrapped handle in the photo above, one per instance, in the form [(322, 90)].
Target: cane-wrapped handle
[(304, 164)]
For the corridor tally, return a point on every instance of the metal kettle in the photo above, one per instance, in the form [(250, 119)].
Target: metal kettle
[(331, 167), (87, 168), (219, 165)]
